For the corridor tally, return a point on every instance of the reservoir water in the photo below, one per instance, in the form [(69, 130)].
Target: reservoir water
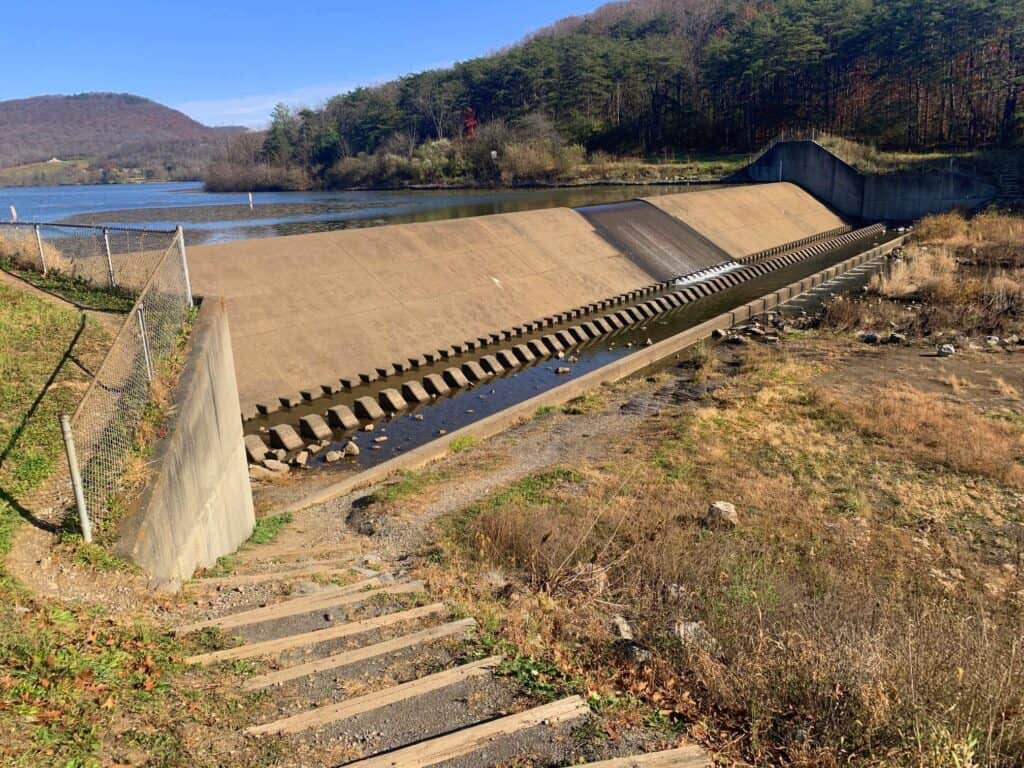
[(210, 217)]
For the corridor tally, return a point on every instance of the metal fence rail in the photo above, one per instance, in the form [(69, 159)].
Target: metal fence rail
[(104, 257)]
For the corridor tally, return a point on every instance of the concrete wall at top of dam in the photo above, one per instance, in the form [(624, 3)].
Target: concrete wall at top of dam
[(307, 310)]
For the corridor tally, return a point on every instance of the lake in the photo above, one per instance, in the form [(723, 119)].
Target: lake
[(210, 217)]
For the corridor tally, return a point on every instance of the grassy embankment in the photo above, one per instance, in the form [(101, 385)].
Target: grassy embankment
[(19, 256), (48, 174), (81, 685), (866, 610), (869, 159)]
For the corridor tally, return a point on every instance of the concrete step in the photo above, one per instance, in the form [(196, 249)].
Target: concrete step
[(346, 658), (329, 598), (690, 756), (325, 568), (274, 647), (478, 737), (333, 713)]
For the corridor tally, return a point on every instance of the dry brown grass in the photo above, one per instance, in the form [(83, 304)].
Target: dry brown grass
[(22, 250), (835, 642), (924, 272), (932, 432)]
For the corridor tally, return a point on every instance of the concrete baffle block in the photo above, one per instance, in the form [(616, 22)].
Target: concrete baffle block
[(314, 427), (285, 437), (490, 364), (566, 339), (340, 417), (436, 385), (474, 371), (391, 400), (455, 378), (369, 377), (367, 408), (291, 401), (537, 347), (551, 342), (507, 358), (255, 448), (578, 334), (414, 392), (523, 353), (592, 330)]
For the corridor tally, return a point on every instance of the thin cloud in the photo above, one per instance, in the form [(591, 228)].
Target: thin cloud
[(254, 111)]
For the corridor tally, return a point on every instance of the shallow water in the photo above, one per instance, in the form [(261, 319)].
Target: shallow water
[(419, 425), (210, 217)]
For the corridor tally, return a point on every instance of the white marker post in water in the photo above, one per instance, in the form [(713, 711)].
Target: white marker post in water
[(14, 213), (250, 202)]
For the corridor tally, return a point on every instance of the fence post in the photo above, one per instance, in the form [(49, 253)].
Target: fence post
[(42, 253), (184, 264), (76, 478), (145, 341), (110, 260)]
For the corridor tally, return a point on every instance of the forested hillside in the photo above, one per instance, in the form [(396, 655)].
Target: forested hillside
[(660, 76), (111, 131)]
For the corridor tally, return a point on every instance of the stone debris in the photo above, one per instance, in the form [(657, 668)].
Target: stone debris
[(277, 467), (695, 637), (333, 457), (351, 449), (946, 350), (721, 516), (563, 371), (301, 459), (622, 627)]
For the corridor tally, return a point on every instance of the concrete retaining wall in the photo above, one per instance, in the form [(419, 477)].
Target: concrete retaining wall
[(881, 197), (199, 506)]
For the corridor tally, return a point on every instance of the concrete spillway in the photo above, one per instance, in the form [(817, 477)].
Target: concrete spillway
[(746, 219), (663, 246), (308, 310)]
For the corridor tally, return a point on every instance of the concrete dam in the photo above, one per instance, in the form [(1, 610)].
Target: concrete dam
[(314, 314)]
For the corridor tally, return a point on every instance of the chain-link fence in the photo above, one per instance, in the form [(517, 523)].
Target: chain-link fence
[(148, 266), (103, 257)]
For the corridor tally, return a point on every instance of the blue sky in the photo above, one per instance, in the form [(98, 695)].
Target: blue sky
[(229, 62)]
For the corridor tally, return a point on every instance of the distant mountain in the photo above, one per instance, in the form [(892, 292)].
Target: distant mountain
[(107, 129)]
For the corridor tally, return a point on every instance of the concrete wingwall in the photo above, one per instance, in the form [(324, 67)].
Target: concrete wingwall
[(199, 505), (871, 197)]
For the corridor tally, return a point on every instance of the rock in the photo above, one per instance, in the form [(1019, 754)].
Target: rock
[(1011, 340), (257, 472), (301, 459), (369, 428), (255, 448), (496, 580), (622, 627), (563, 371), (718, 333), (721, 516), (280, 454), (648, 343), (993, 341), (871, 338), (351, 449), (770, 338), (381, 439), (333, 457), (277, 467), (946, 350), (897, 338), (753, 330), (560, 355), (695, 637), (736, 339)]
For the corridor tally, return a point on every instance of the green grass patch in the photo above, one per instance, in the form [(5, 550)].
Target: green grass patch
[(74, 289), (462, 444), (269, 528)]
